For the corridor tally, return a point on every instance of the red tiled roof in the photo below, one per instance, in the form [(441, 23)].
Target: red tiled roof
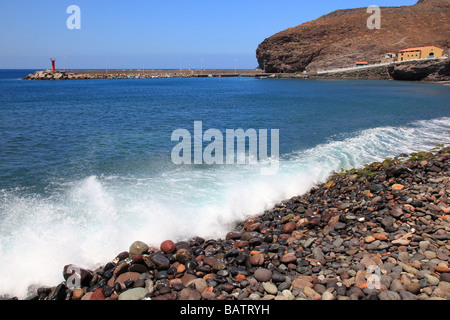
[(415, 49)]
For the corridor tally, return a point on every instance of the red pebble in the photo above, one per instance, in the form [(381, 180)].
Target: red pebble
[(168, 246), (289, 227), (98, 295)]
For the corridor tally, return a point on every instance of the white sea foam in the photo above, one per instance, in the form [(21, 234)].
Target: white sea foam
[(96, 218)]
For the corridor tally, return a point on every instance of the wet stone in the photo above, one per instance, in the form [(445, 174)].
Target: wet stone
[(168, 246), (183, 255), (257, 259), (339, 226), (137, 247), (288, 258), (278, 277), (262, 275), (389, 295), (289, 227), (445, 277), (133, 294), (160, 261)]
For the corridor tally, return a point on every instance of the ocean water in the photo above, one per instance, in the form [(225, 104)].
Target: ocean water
[(86, 169)]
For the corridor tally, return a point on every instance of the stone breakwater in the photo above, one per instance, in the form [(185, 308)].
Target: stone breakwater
[(63, 75), (137, 74), (376, 233)]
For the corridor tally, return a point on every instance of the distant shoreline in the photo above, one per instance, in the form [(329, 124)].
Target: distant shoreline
[(420, 70)]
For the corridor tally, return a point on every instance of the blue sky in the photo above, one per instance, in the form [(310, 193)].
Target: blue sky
[(152, 34)]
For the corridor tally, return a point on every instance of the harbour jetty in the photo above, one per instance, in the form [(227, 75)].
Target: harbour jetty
[(381, 232), (138, 74)]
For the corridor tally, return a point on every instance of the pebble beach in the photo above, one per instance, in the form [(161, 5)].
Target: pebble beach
[(381, 232)]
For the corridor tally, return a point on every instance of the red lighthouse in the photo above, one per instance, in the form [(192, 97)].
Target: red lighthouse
[(53, 64)]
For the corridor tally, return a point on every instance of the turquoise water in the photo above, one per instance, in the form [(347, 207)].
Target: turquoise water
[(86, 165)]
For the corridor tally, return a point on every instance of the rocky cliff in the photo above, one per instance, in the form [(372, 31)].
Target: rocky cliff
[(341, 38)]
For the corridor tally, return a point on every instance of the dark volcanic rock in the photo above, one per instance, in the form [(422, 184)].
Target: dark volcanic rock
[(431, 69), (160, 261), (74, 274)]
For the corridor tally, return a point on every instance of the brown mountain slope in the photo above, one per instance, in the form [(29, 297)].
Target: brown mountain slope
[(341, 38)]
